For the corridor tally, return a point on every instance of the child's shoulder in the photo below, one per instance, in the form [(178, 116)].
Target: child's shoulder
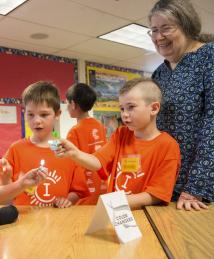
[(121, 130), (166, 137), (169, 147), (168, 142), (18, 146), (89, 123), (19, 143), (90, 120), (122, 133)]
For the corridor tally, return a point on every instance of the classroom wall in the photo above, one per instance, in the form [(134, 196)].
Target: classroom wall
[(19, 68)]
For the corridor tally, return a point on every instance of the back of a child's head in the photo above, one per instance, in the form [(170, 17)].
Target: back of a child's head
[(42, 92), (151, 91), (82, 95)]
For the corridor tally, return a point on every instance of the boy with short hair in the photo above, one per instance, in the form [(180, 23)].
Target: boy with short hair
[(65, 182), (144, 161), (88, 134)]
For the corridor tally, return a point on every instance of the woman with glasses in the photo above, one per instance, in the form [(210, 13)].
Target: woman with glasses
[(186, 78)]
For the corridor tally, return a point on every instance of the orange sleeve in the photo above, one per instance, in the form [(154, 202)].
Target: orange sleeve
[(104, 172), (78, 184), (163, 180), (9, 155)]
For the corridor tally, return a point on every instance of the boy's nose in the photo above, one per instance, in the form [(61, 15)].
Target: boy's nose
[(125, 114), (37, 119)]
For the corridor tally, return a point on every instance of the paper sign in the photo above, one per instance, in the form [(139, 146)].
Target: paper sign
[(113, 207), (8, 114)]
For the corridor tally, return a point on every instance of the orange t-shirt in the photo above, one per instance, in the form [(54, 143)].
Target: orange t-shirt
[(89, 135), (141, 166), (64, 176)]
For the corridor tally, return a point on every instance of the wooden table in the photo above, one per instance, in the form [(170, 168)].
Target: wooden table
[(187, 234), (59, 233)]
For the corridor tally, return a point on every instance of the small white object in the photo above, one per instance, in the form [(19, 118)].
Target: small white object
[(42, 163), (54, 144)]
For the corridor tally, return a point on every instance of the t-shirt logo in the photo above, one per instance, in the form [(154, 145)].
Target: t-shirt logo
[(43, 194), (95, 134), (127, 181)]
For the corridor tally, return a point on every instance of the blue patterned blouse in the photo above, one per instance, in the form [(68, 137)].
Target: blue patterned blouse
[(188, 114)]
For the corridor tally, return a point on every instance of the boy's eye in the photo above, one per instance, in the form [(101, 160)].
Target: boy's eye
[(131, 107), (44, 115)]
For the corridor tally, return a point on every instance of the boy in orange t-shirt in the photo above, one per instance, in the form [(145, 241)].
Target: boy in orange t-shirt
[(143, 161), (65, 181), (88, 134)]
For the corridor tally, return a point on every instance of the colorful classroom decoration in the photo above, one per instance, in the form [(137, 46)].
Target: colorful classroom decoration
[(107, 80)]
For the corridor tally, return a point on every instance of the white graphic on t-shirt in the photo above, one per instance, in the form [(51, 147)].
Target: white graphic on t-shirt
[(96, 147), (89, 181), (95, 134), (47, 197), (128, 177), (97, 144), (46, 189)]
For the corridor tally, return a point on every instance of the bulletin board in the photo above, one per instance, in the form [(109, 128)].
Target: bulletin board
[(107, 81), (10, 125), (20, 68)]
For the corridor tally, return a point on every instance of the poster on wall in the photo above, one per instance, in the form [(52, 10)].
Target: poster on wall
[(8, 114), (10, 125), (107, 81)]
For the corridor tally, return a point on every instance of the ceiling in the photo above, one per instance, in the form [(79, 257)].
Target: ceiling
[(73, 26)]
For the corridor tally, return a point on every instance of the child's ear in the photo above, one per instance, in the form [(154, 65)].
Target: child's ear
[(155, 108), (73, 105)]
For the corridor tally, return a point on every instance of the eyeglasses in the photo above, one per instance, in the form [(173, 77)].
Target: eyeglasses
[(164, 31)]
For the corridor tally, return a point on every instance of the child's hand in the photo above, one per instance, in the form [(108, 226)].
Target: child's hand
[(66, 148), (33, 177), (5, 170), (61, 202), (186, 201)]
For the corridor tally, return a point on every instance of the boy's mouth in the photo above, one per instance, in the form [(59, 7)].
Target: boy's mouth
[(127, 122)]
